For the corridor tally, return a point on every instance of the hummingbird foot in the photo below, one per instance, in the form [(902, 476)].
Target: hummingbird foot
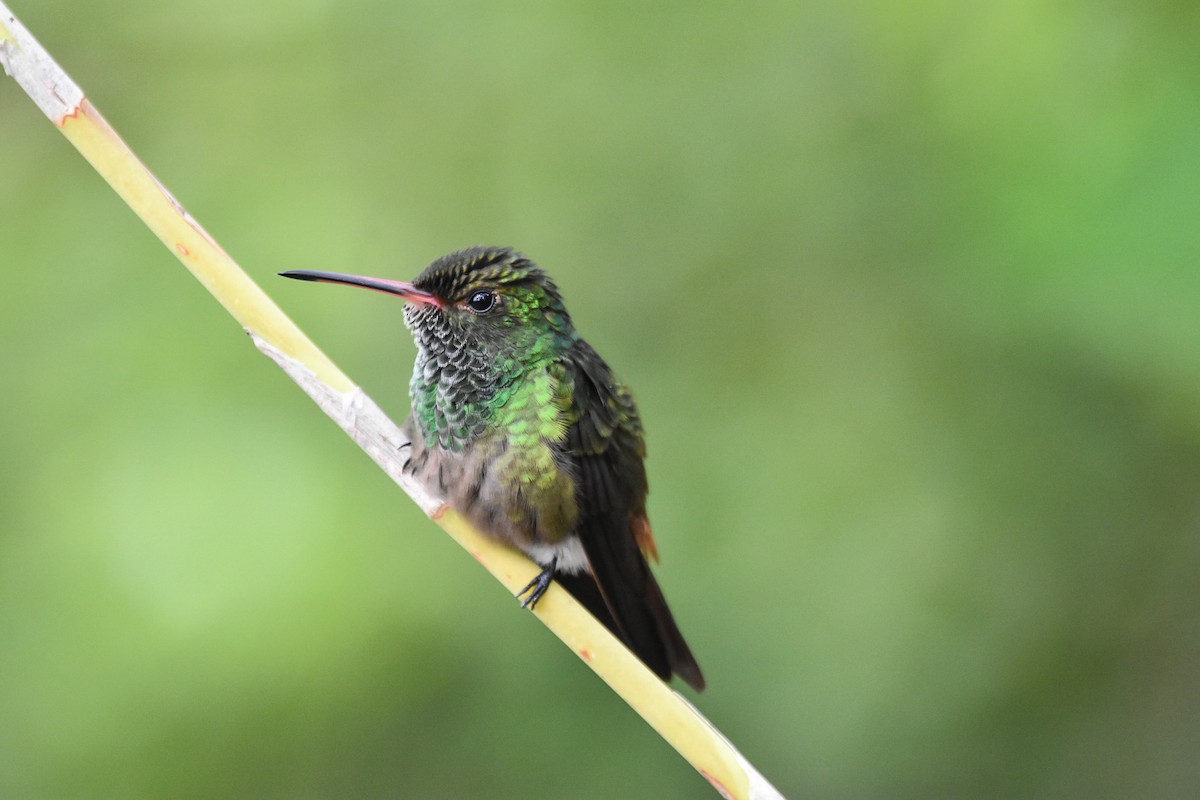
[(538, 585)]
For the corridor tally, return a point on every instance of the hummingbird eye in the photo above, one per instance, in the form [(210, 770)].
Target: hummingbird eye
[(482, 302)]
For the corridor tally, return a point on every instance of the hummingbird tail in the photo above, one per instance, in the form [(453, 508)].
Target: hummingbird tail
[(683, 663), (622, 593)]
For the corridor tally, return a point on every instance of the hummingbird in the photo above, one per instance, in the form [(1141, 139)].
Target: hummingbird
[(521, 426)]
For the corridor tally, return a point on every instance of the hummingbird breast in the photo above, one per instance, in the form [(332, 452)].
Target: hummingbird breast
[(507, 479)]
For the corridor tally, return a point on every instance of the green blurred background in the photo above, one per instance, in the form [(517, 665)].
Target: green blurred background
[(909, 296)]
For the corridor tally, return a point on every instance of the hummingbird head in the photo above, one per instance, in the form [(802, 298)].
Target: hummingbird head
[(481, 318), (488, 302), (492, 303)]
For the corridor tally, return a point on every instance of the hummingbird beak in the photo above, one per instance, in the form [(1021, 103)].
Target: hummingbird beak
[(409, 292)]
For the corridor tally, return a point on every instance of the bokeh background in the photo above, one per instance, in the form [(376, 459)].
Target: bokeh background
[(909, 295)]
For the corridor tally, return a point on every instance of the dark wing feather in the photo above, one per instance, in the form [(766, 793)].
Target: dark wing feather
[(605, 450)]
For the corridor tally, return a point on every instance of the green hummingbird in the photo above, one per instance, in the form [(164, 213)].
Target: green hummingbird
[(523, 428)]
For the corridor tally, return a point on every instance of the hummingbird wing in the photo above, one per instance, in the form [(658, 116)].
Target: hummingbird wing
[(604, 449)]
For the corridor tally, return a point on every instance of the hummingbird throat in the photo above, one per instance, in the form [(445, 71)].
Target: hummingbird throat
[(460, 385)]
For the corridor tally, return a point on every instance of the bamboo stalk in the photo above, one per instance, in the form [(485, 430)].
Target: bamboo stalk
[(274, 334)]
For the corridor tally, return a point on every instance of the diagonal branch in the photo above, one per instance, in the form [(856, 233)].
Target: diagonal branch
[(274, 334)]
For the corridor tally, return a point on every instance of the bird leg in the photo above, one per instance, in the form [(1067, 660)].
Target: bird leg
[(539, 585)]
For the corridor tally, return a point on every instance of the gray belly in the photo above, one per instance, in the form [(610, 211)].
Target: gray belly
[(482, 482)]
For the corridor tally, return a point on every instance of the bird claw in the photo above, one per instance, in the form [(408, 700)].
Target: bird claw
[(539, 585)]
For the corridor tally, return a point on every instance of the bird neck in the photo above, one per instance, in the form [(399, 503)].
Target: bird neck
[(458, 392)]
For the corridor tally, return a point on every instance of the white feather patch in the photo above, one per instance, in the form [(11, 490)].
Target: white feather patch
[(570, 555)]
